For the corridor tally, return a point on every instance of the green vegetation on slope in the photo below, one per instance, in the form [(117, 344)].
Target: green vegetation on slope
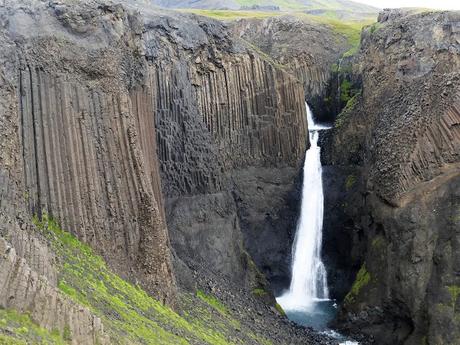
[(225, 15), (350, 29), (259, 292), (213, 302), (312, 5), (130, 315), (362, 279), (346, 91), (454, 291), (342, 118), (18, 329), (283, 4)]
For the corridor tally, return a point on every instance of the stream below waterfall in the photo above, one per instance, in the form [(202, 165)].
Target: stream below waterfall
[(307, 301)]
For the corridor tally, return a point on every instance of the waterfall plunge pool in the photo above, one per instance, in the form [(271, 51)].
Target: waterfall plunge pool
[(317, 315)]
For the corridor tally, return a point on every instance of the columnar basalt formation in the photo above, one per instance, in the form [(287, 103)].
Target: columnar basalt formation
[(81, 123), (251, 112), (25, 290), (305, 49), (117, 124), (395, 150), (224, 114)]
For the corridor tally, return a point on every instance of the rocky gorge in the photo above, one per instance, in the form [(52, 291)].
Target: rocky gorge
[(150, 169), (398, 174)]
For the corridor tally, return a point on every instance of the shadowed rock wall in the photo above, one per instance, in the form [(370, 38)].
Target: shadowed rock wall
[(231, 132), (395, 154)]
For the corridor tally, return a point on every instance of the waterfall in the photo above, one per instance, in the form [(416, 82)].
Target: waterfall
[(309, 280)]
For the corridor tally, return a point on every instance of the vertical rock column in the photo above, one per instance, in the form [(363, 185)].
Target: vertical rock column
[(89, 160)]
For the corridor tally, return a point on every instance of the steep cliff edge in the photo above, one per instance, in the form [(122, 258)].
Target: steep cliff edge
[(231, 131), (75, 146), (305, 48), (393, 178), (130, 131)]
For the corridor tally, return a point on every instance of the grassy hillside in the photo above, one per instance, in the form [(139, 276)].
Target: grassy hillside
[(311, 5), (343, 16), (130, 315), (351, 29), (227, 15), (338, 8)]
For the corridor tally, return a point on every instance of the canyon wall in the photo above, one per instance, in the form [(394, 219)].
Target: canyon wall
[(307, 49), (159, 139), (78, 145), (392, 177), (221, 110), (231, 132), (268, 198)]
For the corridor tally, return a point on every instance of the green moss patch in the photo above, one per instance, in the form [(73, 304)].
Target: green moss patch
[(259, 292), (378, 243), (280, 309), (350, 182), (375, 27), (454, 291), (362, 279), (344, 115), (346, 91), (213, 302)]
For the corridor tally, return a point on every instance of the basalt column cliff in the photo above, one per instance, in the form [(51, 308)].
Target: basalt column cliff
[(153, 142), (393, 182)]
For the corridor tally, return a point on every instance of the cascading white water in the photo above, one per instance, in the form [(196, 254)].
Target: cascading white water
[(307, 300), (309, 280)]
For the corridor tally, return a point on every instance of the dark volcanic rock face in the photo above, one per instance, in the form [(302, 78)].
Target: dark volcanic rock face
[(308, 50), (231, 130), (117, 124), (82, 134), (394, 163), (268, 203)]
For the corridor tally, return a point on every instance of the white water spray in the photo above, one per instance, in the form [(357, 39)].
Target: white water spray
[(309, 280)]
